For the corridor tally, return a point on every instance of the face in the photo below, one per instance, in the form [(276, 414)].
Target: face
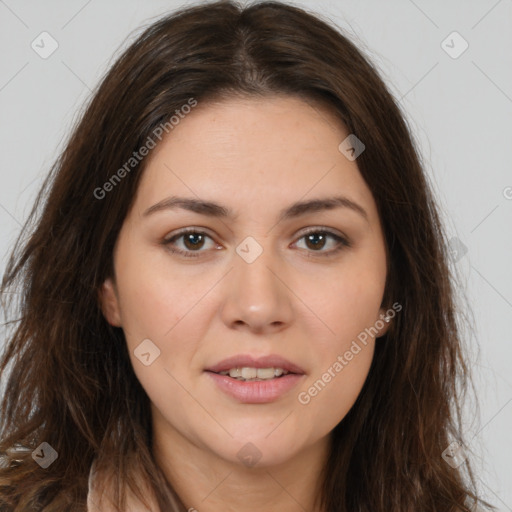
[(255, 276)]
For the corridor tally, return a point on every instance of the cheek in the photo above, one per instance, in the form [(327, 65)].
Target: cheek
[(343, 352), (348, 306), (168, 310), (154, 318), (154, 297), (327, 396)]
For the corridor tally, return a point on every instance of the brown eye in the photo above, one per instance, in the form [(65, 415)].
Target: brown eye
[(192, 244), (317, 240), (193, 240)]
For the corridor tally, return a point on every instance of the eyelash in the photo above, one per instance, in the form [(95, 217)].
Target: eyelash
[(342, 242)]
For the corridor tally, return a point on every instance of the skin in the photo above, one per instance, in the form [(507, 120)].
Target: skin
[(255, 156)]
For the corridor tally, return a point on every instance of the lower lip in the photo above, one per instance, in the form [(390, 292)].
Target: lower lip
[(256, 392)]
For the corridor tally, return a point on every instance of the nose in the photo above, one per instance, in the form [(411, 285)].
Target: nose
[(257, 297)]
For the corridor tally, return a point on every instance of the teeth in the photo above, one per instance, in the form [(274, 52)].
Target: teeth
[(246, 373)]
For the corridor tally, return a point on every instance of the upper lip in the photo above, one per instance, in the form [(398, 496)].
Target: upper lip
[(248, 361)]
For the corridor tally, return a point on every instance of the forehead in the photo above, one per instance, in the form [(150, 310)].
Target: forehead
[(254, 151), (278, 126)]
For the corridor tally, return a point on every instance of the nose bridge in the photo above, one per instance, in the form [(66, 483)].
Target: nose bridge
[(256, 295), (255, 272)]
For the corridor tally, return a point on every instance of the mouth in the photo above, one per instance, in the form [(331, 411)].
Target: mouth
[(248, 367), (248, 374), (250, 379)]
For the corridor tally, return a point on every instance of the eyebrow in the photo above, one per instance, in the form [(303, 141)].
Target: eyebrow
[(295, 210)]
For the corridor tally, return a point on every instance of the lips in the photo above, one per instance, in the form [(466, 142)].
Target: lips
[(248, 361)]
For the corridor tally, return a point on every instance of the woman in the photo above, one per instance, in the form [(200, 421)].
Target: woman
[(237, 293)]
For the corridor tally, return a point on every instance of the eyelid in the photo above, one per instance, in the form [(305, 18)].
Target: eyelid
[(322, 229)]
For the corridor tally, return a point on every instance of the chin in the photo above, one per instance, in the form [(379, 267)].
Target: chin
[(258, 451)]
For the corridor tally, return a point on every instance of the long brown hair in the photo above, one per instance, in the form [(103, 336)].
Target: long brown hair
[(68, 376)]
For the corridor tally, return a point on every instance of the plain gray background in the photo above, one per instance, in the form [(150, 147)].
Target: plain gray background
[(459, 108)]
